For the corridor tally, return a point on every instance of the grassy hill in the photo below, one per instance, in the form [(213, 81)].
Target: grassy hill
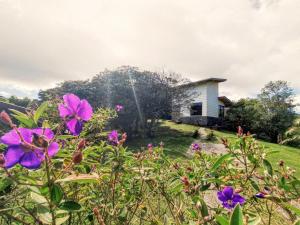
[(178, 137)]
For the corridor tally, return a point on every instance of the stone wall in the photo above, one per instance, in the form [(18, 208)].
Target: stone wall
[(201, 121)]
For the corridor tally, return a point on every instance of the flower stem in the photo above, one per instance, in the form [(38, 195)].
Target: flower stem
[(50, 187)]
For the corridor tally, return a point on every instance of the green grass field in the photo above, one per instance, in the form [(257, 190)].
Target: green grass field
[(178, 137)]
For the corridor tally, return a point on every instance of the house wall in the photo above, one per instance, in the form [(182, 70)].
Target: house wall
[(207, 94), (212, 99), (198, 94)]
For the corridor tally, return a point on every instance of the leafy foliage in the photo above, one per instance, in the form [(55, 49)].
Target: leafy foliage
[(268, 116), (111, 185), (146, 96)]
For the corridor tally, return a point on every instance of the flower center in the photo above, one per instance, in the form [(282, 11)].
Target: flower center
[(230, 202)]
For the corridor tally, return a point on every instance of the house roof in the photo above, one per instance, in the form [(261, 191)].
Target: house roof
[(196, 83), (7, 106), (227, 102)]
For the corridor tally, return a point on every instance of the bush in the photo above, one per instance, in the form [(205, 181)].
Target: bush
[(59, 177)]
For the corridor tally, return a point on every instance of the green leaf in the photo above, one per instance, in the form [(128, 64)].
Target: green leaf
[(254, 220), (5, 183), (222, 220), (254, 185), (39, 112), (56, 194), (70, 206), (204, 209), (297, 222), (220, 161), (18, 113), (268, 167), (237, 216), (61, 220), (28, 122), (44, 214), (64, 137), (293, 209), (81, 178), (38, 198)]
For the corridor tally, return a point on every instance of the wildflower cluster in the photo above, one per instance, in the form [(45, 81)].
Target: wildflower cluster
[(60, 173)]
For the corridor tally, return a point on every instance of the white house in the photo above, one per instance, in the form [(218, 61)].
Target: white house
[(205, 107)]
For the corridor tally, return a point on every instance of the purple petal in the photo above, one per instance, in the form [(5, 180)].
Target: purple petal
[(74, 126), (221, 197), (26, 134), (85, 110), (47, 132), (228, 192), (64, 111), (229, 205), (32, 159), (13, 155), (238, 199), (12, 138), (53, 149), (72, 101)]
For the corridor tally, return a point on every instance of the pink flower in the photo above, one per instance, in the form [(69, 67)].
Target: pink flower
[(76, 112)]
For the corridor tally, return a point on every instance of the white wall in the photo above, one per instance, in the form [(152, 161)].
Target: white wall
[(207, 94)]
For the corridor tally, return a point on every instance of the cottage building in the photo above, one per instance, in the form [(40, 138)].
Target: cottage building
[(206, 107)]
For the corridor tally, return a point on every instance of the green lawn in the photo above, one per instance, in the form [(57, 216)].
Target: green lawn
[(178, 137)]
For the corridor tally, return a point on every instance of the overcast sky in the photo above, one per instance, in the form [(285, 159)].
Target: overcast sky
[(249, 42)]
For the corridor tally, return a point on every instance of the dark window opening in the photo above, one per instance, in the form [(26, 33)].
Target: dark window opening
[(221, 111), (196, 109)]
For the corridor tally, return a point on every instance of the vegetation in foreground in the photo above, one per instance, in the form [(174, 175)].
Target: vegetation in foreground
[(177, 138), (56, 173)]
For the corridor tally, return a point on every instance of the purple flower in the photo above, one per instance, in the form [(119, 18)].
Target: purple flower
[(229, 198), (119, 108), (260, 195), (28, 147), (113, 137), (195, 147), (75, 111), (150, 145)]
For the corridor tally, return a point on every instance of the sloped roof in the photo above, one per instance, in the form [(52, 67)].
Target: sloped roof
[(196, 83), (7, 106), (227, 102)]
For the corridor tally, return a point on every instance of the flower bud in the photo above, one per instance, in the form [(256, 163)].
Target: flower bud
[(260, 195), (2, 160), (124, 137), (240, 131), (281, 163), (238, 190), (150, 148), (161, 144), (77, 157), (81, 144), (176, 166), (185, 181), (6, 118)]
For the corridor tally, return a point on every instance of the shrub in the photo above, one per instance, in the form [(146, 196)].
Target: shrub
[(53, 175)]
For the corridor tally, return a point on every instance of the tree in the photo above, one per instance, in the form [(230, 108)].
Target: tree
[(146, 96), (246, 113), (292, 135), (24, 102), (278, 114)]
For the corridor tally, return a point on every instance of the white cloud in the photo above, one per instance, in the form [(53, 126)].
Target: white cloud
[(249, 42)]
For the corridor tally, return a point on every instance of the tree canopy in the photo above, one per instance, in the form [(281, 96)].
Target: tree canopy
[(146, 96)]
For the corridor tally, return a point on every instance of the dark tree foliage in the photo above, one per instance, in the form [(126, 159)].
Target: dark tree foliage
[(146, 96), (24, 102), (278, 109), (269, 115), (245, 113)]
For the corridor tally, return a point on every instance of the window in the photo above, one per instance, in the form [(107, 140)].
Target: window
[(196, 109), (221, 111)]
